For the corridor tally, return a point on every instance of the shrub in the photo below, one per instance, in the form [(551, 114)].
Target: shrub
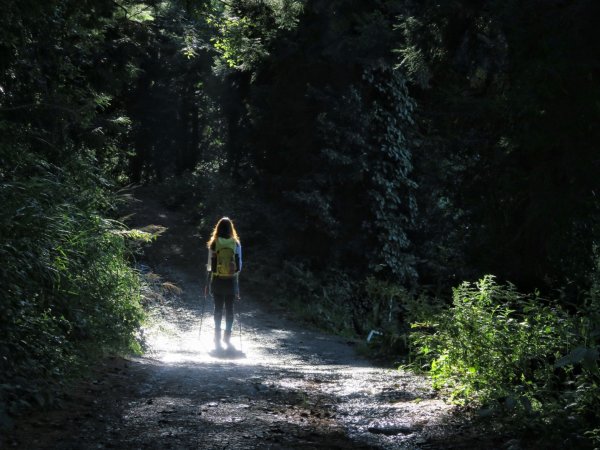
[(68, 293), (497, 347)]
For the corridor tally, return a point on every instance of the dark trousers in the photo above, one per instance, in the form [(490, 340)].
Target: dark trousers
[(223, 294)]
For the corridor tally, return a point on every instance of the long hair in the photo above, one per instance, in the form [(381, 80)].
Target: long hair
[(223, 229)]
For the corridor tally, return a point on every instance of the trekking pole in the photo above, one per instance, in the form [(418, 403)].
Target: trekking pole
[(240, 325), (203, 305), (237, 283)]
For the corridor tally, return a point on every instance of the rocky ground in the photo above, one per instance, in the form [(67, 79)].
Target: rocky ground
[(281, 385)]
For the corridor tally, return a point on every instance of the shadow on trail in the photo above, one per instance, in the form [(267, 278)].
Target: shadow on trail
[(227, 353)]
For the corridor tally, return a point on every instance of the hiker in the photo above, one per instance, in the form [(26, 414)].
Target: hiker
[(224, 265)]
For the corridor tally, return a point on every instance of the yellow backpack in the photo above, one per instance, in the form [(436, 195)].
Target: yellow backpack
[(225, 250)]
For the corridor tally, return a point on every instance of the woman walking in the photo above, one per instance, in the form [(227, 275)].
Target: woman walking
[(224, 265)]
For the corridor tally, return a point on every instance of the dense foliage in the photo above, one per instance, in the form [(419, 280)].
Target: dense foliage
[(506, 93), (375, 154), (68, 291), (332, 132), (516, 353)]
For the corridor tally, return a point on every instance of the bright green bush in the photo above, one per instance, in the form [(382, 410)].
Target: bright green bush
[(68, 293), (502, 349)]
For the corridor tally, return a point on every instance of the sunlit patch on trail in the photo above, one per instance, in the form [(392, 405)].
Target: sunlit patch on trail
[(172, 343), (180, 336), (186, 338)]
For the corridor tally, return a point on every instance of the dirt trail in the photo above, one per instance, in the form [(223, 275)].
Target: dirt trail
[(284, 387)]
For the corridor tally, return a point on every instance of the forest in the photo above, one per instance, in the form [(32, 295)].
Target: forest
[(426, 169)]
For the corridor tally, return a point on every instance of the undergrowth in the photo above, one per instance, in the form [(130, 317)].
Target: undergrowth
[(516, 356), (69, 294)]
